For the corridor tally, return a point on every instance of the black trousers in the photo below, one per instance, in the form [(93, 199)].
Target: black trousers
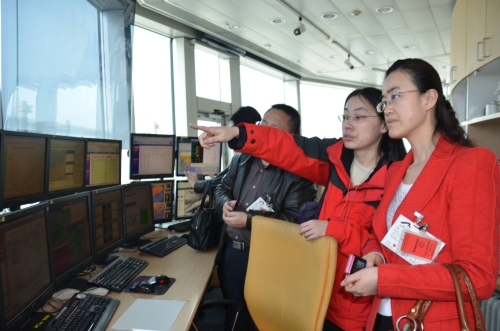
[(383, 323), (329, 326), (235, 270)]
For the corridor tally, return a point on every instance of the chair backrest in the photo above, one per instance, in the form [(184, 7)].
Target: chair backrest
[(289, 280)]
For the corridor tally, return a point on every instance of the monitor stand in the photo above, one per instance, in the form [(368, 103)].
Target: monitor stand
[(105, 260), (136, 243)]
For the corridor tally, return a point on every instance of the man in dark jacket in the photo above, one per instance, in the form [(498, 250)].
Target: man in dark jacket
[(254, 187)]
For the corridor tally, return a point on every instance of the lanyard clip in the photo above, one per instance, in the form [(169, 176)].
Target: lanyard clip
[(419, 216)]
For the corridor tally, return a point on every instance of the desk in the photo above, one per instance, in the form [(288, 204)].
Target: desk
[(191, 270)]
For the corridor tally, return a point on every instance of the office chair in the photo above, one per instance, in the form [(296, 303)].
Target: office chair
[(289, 280)]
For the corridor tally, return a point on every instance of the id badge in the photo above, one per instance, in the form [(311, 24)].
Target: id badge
[(413, 245), (260, 205)]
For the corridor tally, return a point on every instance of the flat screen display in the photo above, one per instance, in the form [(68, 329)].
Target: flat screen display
[(163, 197), (151, 156), (102, 165), (138, 210), (187, 201), (192, 157), (66, 164)]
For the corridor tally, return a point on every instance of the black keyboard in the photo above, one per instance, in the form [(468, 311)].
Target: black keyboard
[(180, 227), (163, 246), (84, 312), (116, 275)]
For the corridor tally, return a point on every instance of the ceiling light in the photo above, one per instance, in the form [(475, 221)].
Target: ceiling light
[(333, 57), (356, 13), (369, 52), (300, 61), (384, 10), (267, 45), (278, 20), (409, 47), (232, 26), (300, 29), (329, 16)]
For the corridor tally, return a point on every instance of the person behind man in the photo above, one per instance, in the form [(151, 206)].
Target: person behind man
[(244, 114), (250, 180)]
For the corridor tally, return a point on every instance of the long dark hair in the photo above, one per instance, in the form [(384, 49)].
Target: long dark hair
[(392, 149), (425, 77)]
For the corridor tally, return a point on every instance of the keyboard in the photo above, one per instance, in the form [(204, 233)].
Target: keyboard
[(116, 275), (163, 246), (180, 227), (84, 312)]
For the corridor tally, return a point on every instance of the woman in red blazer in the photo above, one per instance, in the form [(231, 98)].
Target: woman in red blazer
[(453, 185)]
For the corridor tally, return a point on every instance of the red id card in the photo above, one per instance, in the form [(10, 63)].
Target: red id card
[(420, 246)]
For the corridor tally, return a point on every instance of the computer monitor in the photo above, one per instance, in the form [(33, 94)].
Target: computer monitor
[(25, 265), (187, 201), (70, 236), (192, 157), (163, 198), (24, 160), (109, 232), (138, 213), (151, 156), (66, 165), (103, 163)]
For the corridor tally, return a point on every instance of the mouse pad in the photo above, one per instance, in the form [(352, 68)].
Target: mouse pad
[(159, 289)]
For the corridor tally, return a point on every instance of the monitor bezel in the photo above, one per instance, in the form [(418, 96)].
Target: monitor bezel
[(99, 254), (173, 202), (26, 312), (64, 192), (82, 265), (177, 142), (176, 218), (144, 231), (95, 187), (151, 176), (15, 203)]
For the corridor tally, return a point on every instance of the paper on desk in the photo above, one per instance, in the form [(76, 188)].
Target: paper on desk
[(149, 315)]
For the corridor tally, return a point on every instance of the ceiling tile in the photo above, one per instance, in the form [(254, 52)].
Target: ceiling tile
[(411, 4), (442, 15), (419, 19)]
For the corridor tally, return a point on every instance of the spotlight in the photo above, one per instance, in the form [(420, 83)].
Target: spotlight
[(300, 29), (348, 62)]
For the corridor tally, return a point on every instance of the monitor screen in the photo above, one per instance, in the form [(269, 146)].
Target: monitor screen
[(152, 156), (70, 235), (25, 266), (163, 197), (192, 157), (138, 211), (108, 219), (66, 164), (102, 167), (187, 201), (24, 162)]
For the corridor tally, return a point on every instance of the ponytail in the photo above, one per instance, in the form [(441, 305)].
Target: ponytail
[(448, 125)]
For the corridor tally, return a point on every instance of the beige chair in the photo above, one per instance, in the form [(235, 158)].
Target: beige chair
[(289, 280)]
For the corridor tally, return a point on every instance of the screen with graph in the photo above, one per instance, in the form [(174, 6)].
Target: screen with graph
[(192, 157), (138, 210), (163, 197), (151, 156)]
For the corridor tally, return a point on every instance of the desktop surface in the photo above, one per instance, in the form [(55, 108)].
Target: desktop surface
[(191, 270)]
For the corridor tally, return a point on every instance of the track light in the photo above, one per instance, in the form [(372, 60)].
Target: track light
[(348, 62), (300, 29)]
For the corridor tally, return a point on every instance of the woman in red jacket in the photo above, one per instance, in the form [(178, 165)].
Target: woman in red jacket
[(454, 187), (353, 172)]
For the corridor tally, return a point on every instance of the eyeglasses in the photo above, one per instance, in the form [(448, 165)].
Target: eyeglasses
[(393, 97), (355, 118)]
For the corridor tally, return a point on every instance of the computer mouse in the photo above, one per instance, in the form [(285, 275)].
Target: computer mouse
[(100, 291), (142, 287), (159, 280), (65, 293)]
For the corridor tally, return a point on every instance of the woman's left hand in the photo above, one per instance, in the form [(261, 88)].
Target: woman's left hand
[(362, 283), (313, 229)]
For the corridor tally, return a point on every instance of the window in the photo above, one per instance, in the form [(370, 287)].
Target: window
[(320, 106), (212, 75), (260, 90), (151, 79)]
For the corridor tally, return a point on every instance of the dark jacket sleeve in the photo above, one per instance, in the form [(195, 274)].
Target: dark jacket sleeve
[(224, 190), (299, 192)]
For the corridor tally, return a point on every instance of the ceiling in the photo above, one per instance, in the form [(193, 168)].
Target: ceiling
[(414, 28)]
